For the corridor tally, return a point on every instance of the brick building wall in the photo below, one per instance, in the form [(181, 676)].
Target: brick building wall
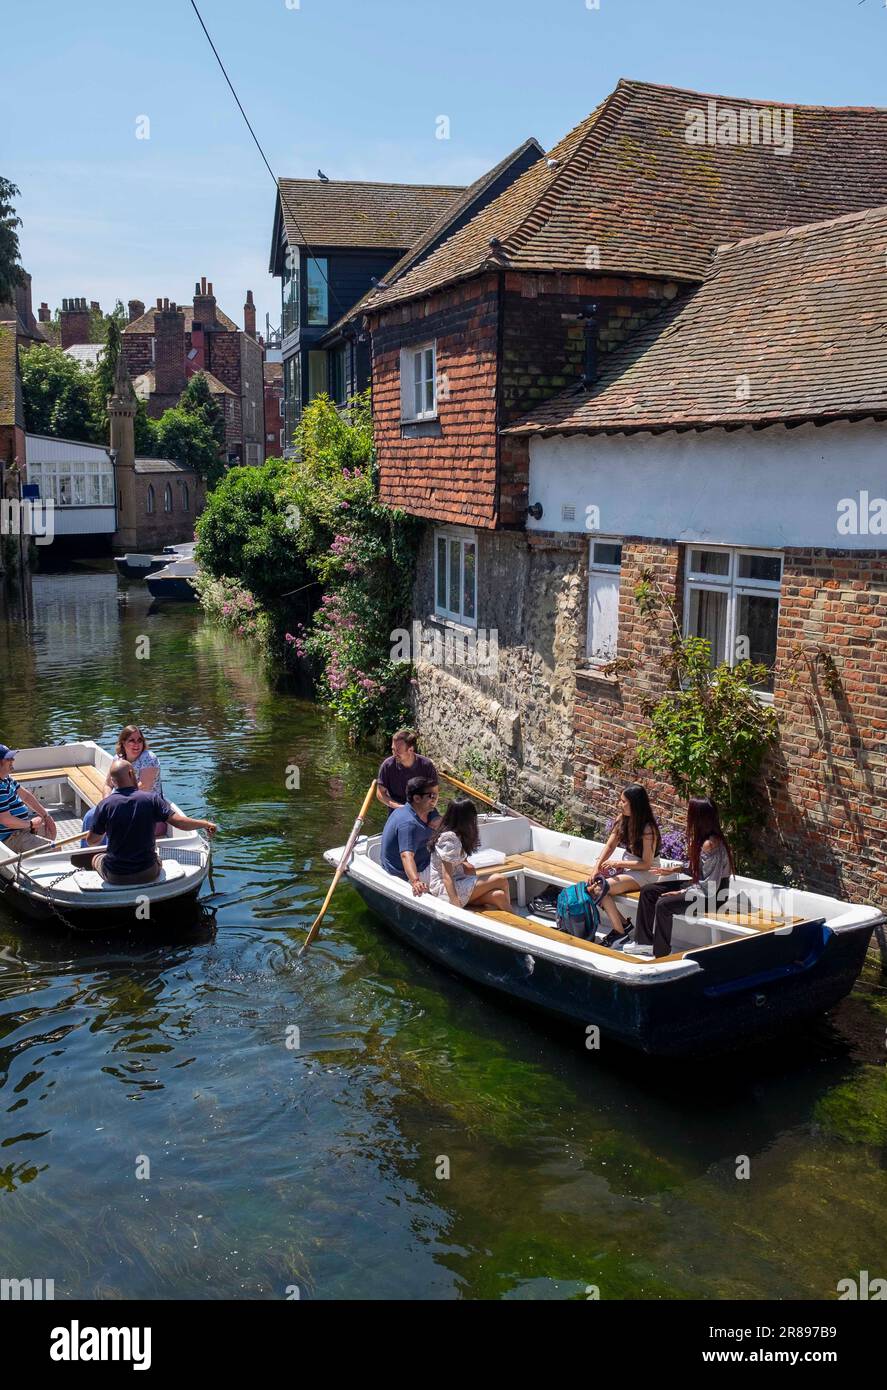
[(830, 775), (607, 710), (827, 779), (160, 528), (138, 352), (504, 341), (443, 469)]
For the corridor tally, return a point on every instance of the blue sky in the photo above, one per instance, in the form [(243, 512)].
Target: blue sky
[(354, 87)]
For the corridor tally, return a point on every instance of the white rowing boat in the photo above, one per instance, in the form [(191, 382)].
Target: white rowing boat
[(68, 779), (738, 971)]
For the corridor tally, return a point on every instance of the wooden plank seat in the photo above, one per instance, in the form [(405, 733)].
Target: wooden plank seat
[(88, 781), (512, 919), (547, 866)]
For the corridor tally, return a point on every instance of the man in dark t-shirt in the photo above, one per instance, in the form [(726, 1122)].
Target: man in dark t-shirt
[(128, 817), (403, 765)]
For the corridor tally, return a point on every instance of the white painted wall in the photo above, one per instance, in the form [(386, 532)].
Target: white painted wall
[(771, 488)]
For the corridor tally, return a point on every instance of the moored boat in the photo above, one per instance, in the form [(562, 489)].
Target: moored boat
[(139, 564), (174, 581), (58, 883), (768, 958)]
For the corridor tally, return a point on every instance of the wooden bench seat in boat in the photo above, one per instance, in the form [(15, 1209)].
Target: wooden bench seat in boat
[(88, 781), (512, 919), (532, 861)]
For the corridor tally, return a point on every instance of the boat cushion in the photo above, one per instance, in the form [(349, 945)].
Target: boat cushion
[(88, 881)]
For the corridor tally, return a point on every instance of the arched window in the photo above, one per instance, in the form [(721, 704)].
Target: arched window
[(186, 501), (149, 500), (167, 498)]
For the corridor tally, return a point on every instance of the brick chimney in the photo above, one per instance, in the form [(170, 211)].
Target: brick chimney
[(249, 315), (75, 322), (204, 304), (169, 349), (95, 306), (43, 313), (136, 309)]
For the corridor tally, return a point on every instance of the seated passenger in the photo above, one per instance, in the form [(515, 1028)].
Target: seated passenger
[(405, 838), (710, 865), (133, 746), (450, 874), (129, 816), (637, 835), (24, 823)]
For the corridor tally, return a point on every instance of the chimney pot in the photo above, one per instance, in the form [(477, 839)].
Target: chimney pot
[(160, 304), (209, 288), (43, 312)]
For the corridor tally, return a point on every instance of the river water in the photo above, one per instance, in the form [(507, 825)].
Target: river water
[(424, 1141)]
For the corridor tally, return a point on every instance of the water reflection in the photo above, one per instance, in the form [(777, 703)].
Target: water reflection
[(320, 1166)]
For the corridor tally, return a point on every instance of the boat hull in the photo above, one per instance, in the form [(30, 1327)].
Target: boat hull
[(97, 921), (730, 1002), (176, 588)]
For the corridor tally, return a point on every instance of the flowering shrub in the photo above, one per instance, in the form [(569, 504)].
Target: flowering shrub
[(233, 606), (363, 555), (312, 527), (674, 845)]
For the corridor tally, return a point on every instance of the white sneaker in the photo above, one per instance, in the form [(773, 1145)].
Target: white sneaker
[(635, 949)]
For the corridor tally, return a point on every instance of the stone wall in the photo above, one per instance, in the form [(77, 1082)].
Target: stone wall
[(520, 713)]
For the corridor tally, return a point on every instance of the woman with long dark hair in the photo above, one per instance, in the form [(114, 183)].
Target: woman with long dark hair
[(710, 866), (636, 834), (451, 875)]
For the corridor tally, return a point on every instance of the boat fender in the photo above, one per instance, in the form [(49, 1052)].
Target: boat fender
[(529, 964)]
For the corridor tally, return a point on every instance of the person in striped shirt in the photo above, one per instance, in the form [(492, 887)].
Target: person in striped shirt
[(24, 823)]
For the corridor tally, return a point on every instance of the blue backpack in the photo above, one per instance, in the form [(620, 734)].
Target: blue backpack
[(577, 912)]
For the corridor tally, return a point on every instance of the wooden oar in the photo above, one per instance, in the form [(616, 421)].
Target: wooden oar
[(43, 849), (488, 800), (343, 865)]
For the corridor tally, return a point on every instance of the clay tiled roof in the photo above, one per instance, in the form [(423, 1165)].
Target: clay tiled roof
[(145, 324), (788, 326), (339, 213), (145, 385), (631, 189)]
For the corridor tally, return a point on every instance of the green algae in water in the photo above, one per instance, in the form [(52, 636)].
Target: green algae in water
[(857, 1111)]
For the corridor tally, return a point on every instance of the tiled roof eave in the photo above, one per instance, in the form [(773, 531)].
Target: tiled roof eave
[(726, 422)]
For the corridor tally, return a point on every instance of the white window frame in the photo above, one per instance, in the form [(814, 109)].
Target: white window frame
[(409, 381), (464, 538), (600, 567), (735, 587)]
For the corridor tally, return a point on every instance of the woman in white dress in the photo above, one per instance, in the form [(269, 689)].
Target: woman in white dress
[(450, 874)]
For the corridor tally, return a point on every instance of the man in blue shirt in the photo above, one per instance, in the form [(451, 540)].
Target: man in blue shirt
[(24, 823), (405, 851), (128, 818)]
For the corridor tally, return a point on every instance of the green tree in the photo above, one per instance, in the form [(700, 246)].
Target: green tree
[(11, 273), (103, 387), (180, 434), (197, 399), (245, 533), (58, 394), (710, 734)]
